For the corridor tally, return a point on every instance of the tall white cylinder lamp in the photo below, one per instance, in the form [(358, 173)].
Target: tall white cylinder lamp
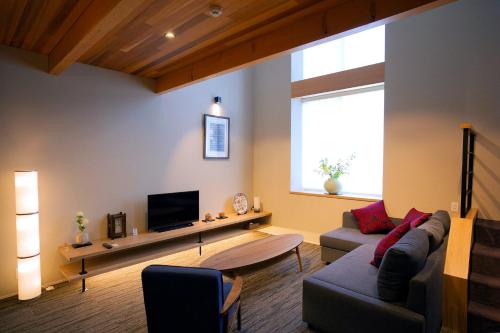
[(29, 284)]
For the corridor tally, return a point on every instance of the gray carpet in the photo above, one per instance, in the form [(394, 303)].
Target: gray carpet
[(271, 297)]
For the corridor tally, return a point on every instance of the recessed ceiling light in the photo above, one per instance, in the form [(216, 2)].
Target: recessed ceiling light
[(170, 35), (215, 10)]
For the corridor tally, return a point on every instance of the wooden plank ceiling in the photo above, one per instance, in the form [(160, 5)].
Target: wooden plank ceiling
[(129, 35)]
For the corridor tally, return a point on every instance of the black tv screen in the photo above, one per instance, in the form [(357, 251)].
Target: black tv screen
[(173, 210)]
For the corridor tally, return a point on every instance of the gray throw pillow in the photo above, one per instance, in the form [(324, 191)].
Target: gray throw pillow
[(435, 230), (401, 262), (444, 218)]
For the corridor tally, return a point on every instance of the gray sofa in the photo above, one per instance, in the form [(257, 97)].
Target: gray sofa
[(343, 296)]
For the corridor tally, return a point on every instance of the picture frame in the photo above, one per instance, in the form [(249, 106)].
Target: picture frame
[(117, 225), (216, 137)]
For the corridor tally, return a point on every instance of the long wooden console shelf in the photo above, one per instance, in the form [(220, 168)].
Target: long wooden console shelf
[(96, 259)]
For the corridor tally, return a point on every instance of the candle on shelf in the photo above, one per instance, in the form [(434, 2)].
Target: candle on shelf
[(256, 204)]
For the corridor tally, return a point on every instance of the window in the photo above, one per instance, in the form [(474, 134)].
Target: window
[(337, 124), (358, 50)]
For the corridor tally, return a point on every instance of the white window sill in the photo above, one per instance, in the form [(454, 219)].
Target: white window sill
[(346, 196)]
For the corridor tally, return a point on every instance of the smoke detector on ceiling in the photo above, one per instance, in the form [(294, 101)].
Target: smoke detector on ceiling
[(215, 10)]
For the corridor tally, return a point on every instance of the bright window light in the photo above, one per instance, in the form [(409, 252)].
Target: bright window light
[(337, 126), (358, 50)]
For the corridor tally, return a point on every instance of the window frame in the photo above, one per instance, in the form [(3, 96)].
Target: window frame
[(296, 141), (329, 85)]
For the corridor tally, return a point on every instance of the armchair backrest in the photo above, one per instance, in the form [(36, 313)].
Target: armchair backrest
[(182, 299)]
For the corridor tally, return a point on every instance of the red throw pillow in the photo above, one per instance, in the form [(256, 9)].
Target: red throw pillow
[(373, 218), (389, 240), (416, 218)]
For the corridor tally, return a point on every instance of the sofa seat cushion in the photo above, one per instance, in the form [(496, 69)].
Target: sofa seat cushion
[(347, 239), (352, 272)]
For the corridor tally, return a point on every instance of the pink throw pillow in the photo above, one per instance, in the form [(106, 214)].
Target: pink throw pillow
[(389, 240), (373, 218), (416, 217)]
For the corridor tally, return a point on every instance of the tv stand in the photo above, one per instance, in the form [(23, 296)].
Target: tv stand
[(179, 226), (95, 259)]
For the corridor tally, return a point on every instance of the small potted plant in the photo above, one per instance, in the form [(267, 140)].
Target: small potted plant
[(82, 236), (333, 171)]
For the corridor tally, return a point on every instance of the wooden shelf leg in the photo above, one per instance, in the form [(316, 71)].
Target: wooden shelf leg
[(82, 273), (239, 317), (298, 258), (199, 242)]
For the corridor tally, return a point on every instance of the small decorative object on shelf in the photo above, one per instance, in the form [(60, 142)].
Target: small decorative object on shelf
[(117, 225), (208, 218), (252, 225), (240, 203), (221, 216), (256, 204), (135, 232), (332, 185), (78, 245), (82, 237)]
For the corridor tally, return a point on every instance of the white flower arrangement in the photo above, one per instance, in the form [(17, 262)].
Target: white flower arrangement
[(334, 171), (81, 221)]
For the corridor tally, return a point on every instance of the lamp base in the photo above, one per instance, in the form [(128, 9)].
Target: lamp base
[(76, 246)]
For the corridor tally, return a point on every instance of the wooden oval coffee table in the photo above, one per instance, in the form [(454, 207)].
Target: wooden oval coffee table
[(255, 252)]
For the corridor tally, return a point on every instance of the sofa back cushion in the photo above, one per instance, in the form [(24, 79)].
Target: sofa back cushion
[(426, 289), (401, 262), (443, 217), (435, 230), (373, 218)]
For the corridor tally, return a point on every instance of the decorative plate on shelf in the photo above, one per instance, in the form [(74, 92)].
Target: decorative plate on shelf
[(240, 203)]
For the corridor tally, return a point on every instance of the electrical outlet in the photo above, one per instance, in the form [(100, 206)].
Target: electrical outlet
[(454, 207)]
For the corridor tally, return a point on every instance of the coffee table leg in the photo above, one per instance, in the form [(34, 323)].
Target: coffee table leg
[(298, 258)]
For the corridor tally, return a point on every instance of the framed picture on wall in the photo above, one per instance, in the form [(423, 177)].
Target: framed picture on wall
[(216, 137)]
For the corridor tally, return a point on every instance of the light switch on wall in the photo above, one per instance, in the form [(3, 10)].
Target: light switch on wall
[(454, 207)]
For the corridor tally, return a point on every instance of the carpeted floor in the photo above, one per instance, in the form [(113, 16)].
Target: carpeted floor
[(271, 297)]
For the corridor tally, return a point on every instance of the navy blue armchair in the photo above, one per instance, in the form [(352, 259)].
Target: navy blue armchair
[(188, 299)]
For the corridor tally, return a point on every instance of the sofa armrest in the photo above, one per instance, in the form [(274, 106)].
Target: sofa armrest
[(349, 221), (331, 308)]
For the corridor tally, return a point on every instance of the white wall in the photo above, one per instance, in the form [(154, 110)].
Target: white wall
[(442, 68), (102, 141)]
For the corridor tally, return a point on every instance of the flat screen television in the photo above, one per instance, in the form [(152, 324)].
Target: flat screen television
[(173, 210)]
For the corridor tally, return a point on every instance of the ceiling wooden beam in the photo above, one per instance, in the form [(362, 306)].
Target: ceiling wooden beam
[(98, 19), (325, 23)]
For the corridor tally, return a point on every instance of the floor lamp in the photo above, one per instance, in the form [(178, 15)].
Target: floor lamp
[(28, 238)]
